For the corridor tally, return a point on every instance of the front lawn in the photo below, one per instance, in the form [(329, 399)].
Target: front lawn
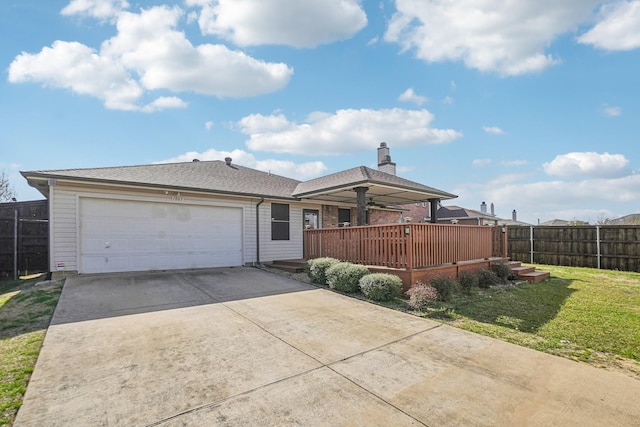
[(25, 313), (579, 313)]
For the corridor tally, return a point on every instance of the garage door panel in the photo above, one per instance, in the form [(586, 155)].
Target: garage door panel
[(121, 235)]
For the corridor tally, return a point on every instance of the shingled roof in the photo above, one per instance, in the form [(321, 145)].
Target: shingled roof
[(209, 176), (222, 178), (383, 188)]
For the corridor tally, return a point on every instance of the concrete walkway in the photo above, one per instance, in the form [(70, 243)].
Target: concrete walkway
[(238, 347)]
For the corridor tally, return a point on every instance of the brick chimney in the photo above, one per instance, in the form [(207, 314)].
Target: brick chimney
[(384, 160)]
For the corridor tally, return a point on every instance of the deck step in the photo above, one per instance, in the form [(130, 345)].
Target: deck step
[(535, 276), (290, 265), (522, 270), (528, 273)]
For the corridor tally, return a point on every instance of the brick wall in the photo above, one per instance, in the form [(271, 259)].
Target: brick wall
[(376, 216), (417, 213), (330, 216)]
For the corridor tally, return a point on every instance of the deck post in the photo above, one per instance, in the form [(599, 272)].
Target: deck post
[(361, 201), (433, 204)]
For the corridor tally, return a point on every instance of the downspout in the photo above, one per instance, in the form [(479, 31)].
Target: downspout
[(258, 230)]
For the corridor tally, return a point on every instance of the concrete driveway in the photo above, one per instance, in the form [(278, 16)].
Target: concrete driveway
[(241, 346)]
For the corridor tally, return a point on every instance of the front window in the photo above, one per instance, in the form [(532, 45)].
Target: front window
[(279, 221), (344, 217)]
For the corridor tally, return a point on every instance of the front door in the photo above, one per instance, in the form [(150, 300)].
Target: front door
[(310, 221)]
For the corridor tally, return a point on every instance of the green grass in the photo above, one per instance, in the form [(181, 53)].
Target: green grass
[(579, 313), (25, 313)]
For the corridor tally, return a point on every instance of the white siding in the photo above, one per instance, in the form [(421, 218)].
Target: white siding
[(63, 229), (65, 226), (272, 250)]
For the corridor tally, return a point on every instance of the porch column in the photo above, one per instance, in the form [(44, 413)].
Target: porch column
[(433, 203), (361, 201)]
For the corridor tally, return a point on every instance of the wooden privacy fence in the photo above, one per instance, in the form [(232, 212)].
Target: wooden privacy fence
[(610, 247), (24, 238), (402, 246)]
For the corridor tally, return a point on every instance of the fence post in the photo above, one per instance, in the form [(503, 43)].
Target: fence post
[(505, 242), (408, 235), (15, 244), (531, 241), (598, 244)]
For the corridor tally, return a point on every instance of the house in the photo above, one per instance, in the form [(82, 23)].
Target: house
[(631, 219), (205, 214), (420, 212)]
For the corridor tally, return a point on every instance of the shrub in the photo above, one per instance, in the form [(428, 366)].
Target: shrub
[(318, 269), (487, 278), (420, 295), (445, 287), (467, 281), (502, 270), (344, 276), (381, 286)]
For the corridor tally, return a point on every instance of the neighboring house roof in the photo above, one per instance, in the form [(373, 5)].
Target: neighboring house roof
[(219, 177), (383, 188), (210, 176), (632, 219), (456, 212), (556, 222)]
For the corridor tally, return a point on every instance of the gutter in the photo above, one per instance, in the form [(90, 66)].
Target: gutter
[(258, 230)]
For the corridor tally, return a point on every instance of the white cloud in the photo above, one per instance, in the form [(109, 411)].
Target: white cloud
[(404, 169), (561, 194), (149, 44), (345, 131), (494, 130), (509, 38), (300, 171), (208, 125), (612, 111), (592, 164), (545, 200), (410, 96), (286, 22), (480, 163), (149, 53), (72, 65), (101, 9), (511, 163), (164, 102), (618, 27), (448, 100)]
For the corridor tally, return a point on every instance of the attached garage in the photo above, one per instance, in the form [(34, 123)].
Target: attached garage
[(128, 235)]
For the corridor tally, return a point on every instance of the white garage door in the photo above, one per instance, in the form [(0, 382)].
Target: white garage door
[(119, 235)]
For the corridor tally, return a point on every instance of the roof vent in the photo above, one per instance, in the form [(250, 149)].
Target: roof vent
[(227, 160)]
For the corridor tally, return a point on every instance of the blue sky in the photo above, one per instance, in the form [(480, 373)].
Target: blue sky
[(530, 105)]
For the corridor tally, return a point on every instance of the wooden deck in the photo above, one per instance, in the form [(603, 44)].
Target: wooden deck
[(405, 246), (412, 251)]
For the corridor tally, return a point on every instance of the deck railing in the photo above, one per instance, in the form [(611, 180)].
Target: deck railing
[(403, 246)]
